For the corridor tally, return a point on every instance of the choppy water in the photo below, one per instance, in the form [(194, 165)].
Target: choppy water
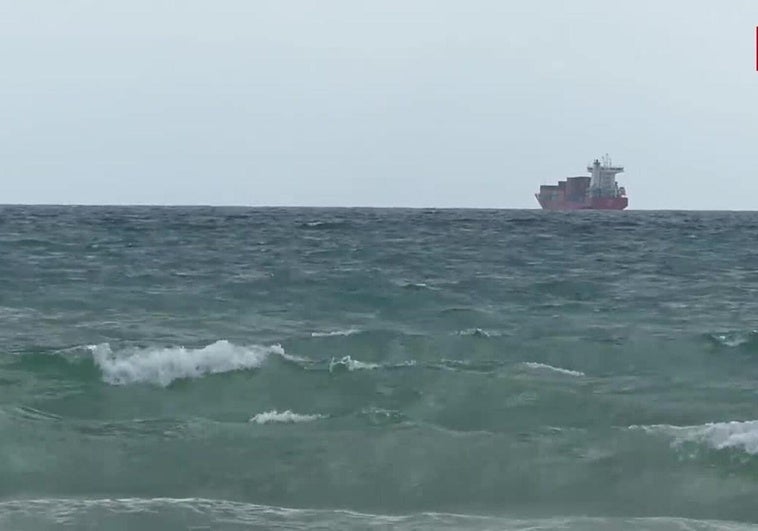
[(211, 368)]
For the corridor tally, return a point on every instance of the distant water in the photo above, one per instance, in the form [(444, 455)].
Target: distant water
[(228, 368)]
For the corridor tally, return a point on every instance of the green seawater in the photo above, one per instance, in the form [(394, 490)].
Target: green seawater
[(231, 368)]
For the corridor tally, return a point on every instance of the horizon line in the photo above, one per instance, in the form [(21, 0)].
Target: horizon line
[(343, 207)]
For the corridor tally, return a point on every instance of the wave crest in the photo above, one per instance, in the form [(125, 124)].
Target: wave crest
[(735, 338), (546, 367), (332, 333), (161, 366), (477, 332), (717, 435), (348, 363), (285, 417)]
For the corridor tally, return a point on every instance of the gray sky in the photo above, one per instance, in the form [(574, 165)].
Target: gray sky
[(468, 103)]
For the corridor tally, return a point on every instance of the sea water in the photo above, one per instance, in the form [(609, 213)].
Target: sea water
[(233, 368)]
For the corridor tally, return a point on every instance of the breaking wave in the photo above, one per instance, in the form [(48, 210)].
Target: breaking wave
[(735, 338), (414, 286), (324, 225), (478, 332), (332, 333), (285, 417), (161, 366), (349, 364), (742, 435), (546, 367), (484, 366)]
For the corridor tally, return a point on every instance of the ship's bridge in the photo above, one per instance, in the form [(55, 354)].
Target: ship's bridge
[(603, 182), (609, 169)]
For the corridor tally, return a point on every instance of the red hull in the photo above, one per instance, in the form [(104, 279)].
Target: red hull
[(595, 203)]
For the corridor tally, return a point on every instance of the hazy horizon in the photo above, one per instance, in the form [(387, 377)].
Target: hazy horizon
[(428, 104), (355, 207)]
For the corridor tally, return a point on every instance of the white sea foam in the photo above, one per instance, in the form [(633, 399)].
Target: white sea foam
[(350, 364), (161, 366), (546, 367), (332, 333), (734, 339), (476, 332), (717, 435), (286, 417), (204, 513), (415, 285), (294, 359), (159, 513), (485, 366)]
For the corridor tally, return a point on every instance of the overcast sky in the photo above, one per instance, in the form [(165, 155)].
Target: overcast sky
[(466, 103)]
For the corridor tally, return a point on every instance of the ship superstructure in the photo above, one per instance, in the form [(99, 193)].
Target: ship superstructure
[(599, 191)]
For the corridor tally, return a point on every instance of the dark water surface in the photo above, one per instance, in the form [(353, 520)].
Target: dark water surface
[(229, 368)]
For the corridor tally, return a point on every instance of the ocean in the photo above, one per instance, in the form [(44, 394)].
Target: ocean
[(252, 368)]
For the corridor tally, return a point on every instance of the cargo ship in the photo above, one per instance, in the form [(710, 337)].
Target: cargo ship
[(598, 191)]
